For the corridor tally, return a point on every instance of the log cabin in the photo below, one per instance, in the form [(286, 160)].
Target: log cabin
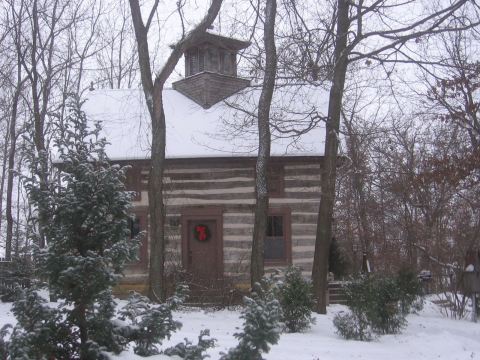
[(210, 167)]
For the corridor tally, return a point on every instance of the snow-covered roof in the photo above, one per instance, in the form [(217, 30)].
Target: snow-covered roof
[(227, 129)]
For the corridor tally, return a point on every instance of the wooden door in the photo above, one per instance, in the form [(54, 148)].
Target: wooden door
[(202, 245), (202, 249)]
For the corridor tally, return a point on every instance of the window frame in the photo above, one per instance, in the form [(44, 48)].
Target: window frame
[(286, 213)]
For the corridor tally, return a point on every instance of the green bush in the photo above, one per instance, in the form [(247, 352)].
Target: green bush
[(187, 351), (381, 302), (150, 323), (353, 326), (261, 316), (296, 298), (410, 291)]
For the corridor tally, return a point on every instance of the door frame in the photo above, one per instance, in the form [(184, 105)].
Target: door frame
[(203, 213)]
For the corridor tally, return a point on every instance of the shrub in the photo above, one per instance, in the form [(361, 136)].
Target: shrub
[(410, 291), (352, 326), (41, 329), (261, 327), (296, 298), (4, 331), (187, 351), (150, 323), (378, 299), (379, 303)]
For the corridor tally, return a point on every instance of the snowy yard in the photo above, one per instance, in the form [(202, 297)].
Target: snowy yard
[(428, 336)]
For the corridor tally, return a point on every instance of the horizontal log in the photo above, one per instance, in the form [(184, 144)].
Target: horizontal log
[(302, 231), (239, 199), (227, 207), (292, 182), (310, 189), (238, 244), (243, 192), (196, 167), (245, 231), (302, 172), (304, 256), (303, 166), (310, 218), (223, 184), (296, 241), (209, 174), (247, 207)]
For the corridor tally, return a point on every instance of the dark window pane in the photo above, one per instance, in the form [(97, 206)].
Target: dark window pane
[(134, 225), (233, 61), (228, 64), (275, 226), (213, 55), (274, 248), (201, 60), (135, 229), (193, 62), (221, 56)]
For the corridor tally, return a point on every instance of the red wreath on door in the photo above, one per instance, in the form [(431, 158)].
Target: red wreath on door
[(201, 232)]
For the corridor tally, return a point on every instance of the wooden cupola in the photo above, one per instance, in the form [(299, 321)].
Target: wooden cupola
[(211, 70)]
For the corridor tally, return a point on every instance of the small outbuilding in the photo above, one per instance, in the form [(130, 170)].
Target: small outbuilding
[(210, 167)]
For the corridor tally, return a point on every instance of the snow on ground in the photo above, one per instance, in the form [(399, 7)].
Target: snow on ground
[(428, 336)]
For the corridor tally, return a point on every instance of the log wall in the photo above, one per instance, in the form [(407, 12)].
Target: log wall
[(231, 184)]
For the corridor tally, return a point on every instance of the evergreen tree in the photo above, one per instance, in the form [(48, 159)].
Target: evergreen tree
[(88, 244), (261, 327), (296, 298), (150, 323), (187, 351)]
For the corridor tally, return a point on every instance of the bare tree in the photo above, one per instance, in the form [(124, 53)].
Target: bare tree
[(352, 33), (118, 58), (264, 139), (153, 88)]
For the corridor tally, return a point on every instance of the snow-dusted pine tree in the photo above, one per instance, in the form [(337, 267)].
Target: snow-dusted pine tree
[(88, 242), (261, 322)]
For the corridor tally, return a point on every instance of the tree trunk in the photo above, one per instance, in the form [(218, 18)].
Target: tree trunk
[(10, 176), (17, 228), (81, 322), (261, 168), (11, 162), (4, 169), (40, 102), (155, 200), (327, 198), (154, 100)]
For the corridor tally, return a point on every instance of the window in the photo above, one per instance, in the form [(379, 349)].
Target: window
[(213, 57), (201, 60), (134, 226), (225, 62), (277, 245)]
